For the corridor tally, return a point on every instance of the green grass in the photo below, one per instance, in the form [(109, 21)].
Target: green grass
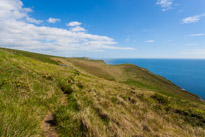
[(85, 102), (133, 75), (68, 123), (161, 99), (26, 95), (36, 56)]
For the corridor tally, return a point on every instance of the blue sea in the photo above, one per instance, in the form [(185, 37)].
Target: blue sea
[(189, 74)]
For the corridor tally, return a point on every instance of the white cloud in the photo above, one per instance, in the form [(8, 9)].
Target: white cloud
[(32, 20), (149, 41), (13, 10), (165, 4), (196, 35), (17, 32), (192, 19), (53, 20), (78, 28), (73, 24)]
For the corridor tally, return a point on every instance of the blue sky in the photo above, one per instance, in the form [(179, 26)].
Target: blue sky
[(105, 28)]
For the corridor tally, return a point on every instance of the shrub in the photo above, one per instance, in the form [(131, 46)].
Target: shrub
[(192, 117), (160, 98)]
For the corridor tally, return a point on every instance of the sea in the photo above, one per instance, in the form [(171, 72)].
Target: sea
[(189, 74)]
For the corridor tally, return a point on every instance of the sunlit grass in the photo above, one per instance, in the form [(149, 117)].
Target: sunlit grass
[(30, 87)]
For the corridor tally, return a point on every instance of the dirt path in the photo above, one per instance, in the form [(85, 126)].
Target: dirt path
[(49, 126)]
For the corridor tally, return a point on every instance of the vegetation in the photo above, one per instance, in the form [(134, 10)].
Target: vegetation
[(40, 57), (91, 98)]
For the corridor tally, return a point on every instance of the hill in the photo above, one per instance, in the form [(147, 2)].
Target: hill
[(45, 95)]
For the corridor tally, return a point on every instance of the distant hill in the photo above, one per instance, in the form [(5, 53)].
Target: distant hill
[(42, 95)]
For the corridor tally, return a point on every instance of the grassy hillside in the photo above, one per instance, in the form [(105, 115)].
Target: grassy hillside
[(36, 56), (43, 95), (131, 75)]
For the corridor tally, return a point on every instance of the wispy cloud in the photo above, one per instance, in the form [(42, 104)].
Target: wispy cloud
[(32, 20), (165, 4), (53, 20), (191, 44), (195, 53), (196, 35), (78, 28), (149, 41), (192, 19), (180, 11), (18, 30), (73, 24), (146, 30), (128, 39)]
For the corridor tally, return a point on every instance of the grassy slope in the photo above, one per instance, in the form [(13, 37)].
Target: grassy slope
[(30, 87), (132, 75), (36, 56)]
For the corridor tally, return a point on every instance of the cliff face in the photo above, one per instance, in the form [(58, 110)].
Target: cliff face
[(81, 97)]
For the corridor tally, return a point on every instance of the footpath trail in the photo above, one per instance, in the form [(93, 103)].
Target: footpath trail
[(49, 126), (49, 123)]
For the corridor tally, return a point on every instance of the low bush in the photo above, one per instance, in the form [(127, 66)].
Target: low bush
[(160, 98)]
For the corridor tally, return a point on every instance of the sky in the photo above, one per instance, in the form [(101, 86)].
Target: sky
[(105, 28)]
